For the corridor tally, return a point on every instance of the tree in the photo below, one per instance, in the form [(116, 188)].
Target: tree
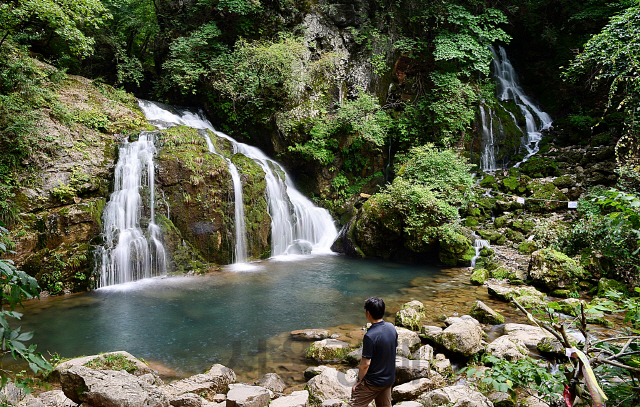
[(41, 20)]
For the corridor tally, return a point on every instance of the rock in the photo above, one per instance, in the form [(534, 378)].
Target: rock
[(310, 334), (551, 346), (527, 296), (455, 396), (109, 388), (354, 357), (442, 365), (404, 351), (332, 384), (452, 320), (408, 370), (568, 306), (242, 395), (508, 347), (271, 381), (328, 350), (464, 338), (313, 371), (333, 403), (408, 338), (296, 399), (553, 270), (152, 379), (430, 332), (413, 389), (485, 314), (299, 246), (411, 315), (11, 394), (186, 400), (207, 385), (56, 398), (408, 404), (534, 402), (500, 399), (530, 335), (606, 284), (424, 353), (108, 361), (479, 276)]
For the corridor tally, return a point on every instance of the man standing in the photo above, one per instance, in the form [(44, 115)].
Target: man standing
[(378, 365)]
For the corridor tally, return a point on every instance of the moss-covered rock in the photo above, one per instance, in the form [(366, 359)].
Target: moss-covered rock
[(523, 225), (485, 314), (528, 297), (551, 270), (607, 284), (514, 235), (456, 250), (500, 222), (411, 315), (527, 247), (545, 198), (328, 350), (479, 276)]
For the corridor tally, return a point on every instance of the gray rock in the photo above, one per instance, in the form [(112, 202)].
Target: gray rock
[(424, 353), (412, 389), (411, 315), (408, 338), (271, 381), (56, 398), (313, 371), (430, 332), (464, 338), (354, 357), (242, 395), (404, 351), (11, 394), (442, 365), (215, 381), (459, 396), (553, 270), (452, 320), (485, 314), (508, 347), (328, 350), (310, 334), (408, 370), (551, 345), (296, 399), (299, 246), (332, 384), (501, 399), (530, 335), (408, 404), (187, 400), (525, 295), (141, 368), (109, 388), (333, 403)]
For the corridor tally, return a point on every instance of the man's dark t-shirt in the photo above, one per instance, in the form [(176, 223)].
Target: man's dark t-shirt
[(379, 345)]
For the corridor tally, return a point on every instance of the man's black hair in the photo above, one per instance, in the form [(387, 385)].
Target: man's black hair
[(375, 306)]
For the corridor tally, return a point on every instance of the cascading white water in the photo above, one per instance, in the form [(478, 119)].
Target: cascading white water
[(508, 88), (293, 216), (478, 244), (488, 156), (128, 253)]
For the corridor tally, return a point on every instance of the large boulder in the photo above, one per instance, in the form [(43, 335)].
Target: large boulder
[(463, 338), (457, 396), (310, 334), (424, 353), (485, 314), (408, 338), (328, 350), (411, 315), (332, 384), (272, 382), (408, 370), (508, 347), (528, 334), (527, 296), (215, 380), (552, 270), (414, 388), (242, 395), (295, 399), (109, 388), (119, 360)]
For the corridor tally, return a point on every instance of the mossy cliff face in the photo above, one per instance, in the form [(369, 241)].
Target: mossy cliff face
[(64, 183), (195, 189)]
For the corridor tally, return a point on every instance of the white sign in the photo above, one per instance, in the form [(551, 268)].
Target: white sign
[(520, 200), (573, 204)]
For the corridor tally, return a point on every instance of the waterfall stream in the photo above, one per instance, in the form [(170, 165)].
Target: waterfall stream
[(295, 221)]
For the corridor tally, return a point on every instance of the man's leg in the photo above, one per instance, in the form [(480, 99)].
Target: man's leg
[(364, 394), (383, 399)]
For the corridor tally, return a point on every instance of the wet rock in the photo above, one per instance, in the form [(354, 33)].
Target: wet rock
[(508, 347), (408, 338), (455, 395), (552, 270), (442, 365), (242, 395), (411, 315), (485, 314), (424, 353), (216, 380), (299, 247), (408, 370), (271, 381), (412, 389), (464, 338), (296, 399), (310, 334), (328, 350), (528, 334), (332, 384), (108, 388)]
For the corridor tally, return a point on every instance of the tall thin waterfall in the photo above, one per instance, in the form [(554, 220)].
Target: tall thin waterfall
[(509, 88), (293, 216), (129, 253), (488, 157)]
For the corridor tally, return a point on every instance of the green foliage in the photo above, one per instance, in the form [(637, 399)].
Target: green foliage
[(16, 285), (112, 362), (40, 20)]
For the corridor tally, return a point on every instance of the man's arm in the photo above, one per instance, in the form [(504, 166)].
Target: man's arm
[(362, 371)]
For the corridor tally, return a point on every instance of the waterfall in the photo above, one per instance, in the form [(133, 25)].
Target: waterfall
[(478, 244), (509, 89), (294, 218), (488, 157), (128, 253)]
